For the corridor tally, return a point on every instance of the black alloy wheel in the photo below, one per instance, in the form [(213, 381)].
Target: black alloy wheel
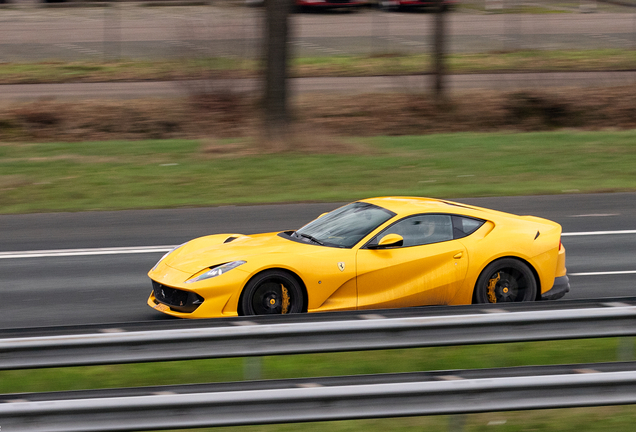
[(272, 292), (505, 280)]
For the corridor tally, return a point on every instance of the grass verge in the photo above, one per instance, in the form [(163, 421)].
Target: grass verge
[(111, 175), (386, 61)]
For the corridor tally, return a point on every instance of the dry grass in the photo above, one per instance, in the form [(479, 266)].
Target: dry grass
[(8, 182), (319, 119)]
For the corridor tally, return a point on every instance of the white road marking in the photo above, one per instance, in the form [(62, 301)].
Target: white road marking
[(85, 252), (616, 304), (112, 330), (490, 311), (79, 48), (371, 316), (590, 233), (605, 273), (595, 215)]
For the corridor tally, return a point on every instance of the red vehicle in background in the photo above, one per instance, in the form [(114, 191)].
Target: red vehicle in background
[(411, 4), (317, 4), (330, 3), (352, 4)]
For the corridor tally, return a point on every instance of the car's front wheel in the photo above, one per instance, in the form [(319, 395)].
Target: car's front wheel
[(272, 292), (505, 280)]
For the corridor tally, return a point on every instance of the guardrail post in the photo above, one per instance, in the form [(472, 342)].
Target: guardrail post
[(456, 422), (625, 349), (252, 367)]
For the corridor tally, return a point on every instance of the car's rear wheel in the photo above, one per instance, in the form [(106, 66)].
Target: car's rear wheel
[(505, 280), (272, 292)]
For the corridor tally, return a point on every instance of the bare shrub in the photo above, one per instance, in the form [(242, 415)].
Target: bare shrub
[(320, 120), (541, 110), (38, 115)]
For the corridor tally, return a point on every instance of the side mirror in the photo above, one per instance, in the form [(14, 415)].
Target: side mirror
[(390, 240)]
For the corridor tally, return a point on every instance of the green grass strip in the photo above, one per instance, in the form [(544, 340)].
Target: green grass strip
[(174, 173), (386, 60)]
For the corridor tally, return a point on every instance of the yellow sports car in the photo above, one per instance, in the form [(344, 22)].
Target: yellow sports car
[(375, 253)]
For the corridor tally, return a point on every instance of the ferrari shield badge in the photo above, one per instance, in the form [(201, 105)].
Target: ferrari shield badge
[(341, 266)]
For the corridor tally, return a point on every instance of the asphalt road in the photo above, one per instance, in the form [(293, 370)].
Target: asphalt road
[(113, 287)]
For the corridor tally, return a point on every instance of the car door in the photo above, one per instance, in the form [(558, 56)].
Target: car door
[(329, 275), (428, 268)]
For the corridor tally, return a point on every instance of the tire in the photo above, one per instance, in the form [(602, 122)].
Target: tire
[(272, 292), (505, 280)]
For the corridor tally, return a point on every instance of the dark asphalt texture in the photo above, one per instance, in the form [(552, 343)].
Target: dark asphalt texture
[(114, 288)]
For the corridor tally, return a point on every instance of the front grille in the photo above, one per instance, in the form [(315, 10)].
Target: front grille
[(178, 300)]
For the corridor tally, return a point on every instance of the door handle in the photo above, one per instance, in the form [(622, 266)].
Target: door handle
[(458, 255)]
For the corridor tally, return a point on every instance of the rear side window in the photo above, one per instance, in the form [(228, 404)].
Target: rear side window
[(464, 226)]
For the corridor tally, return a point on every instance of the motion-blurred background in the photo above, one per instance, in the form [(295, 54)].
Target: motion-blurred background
[(145, 124)]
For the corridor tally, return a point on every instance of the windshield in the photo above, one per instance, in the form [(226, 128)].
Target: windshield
[(346, 226)]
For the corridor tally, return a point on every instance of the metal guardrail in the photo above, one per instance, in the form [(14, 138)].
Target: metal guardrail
[(395, 396), (318, 399), (246, 337)]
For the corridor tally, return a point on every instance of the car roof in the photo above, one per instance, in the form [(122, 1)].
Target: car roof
[(414, 205)]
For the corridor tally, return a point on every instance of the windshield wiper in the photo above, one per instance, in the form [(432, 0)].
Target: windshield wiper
[(313, 239)]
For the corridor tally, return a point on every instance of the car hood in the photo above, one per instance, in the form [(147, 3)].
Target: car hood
[(214, 250)]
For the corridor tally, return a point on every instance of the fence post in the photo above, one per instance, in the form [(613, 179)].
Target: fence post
[(276, 117), (438, 50), (112, 31)]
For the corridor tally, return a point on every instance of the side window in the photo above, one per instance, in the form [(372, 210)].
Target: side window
[(464, 226), (421, 230)]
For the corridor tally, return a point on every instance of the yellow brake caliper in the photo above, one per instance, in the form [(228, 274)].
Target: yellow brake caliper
[(492, 283), (285, 307)]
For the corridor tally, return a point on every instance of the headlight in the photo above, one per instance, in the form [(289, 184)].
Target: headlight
[(166, 254), (216, 271)]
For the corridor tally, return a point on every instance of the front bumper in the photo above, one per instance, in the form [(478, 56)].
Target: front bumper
[(211, 298), (212, 307), (559, 289)]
